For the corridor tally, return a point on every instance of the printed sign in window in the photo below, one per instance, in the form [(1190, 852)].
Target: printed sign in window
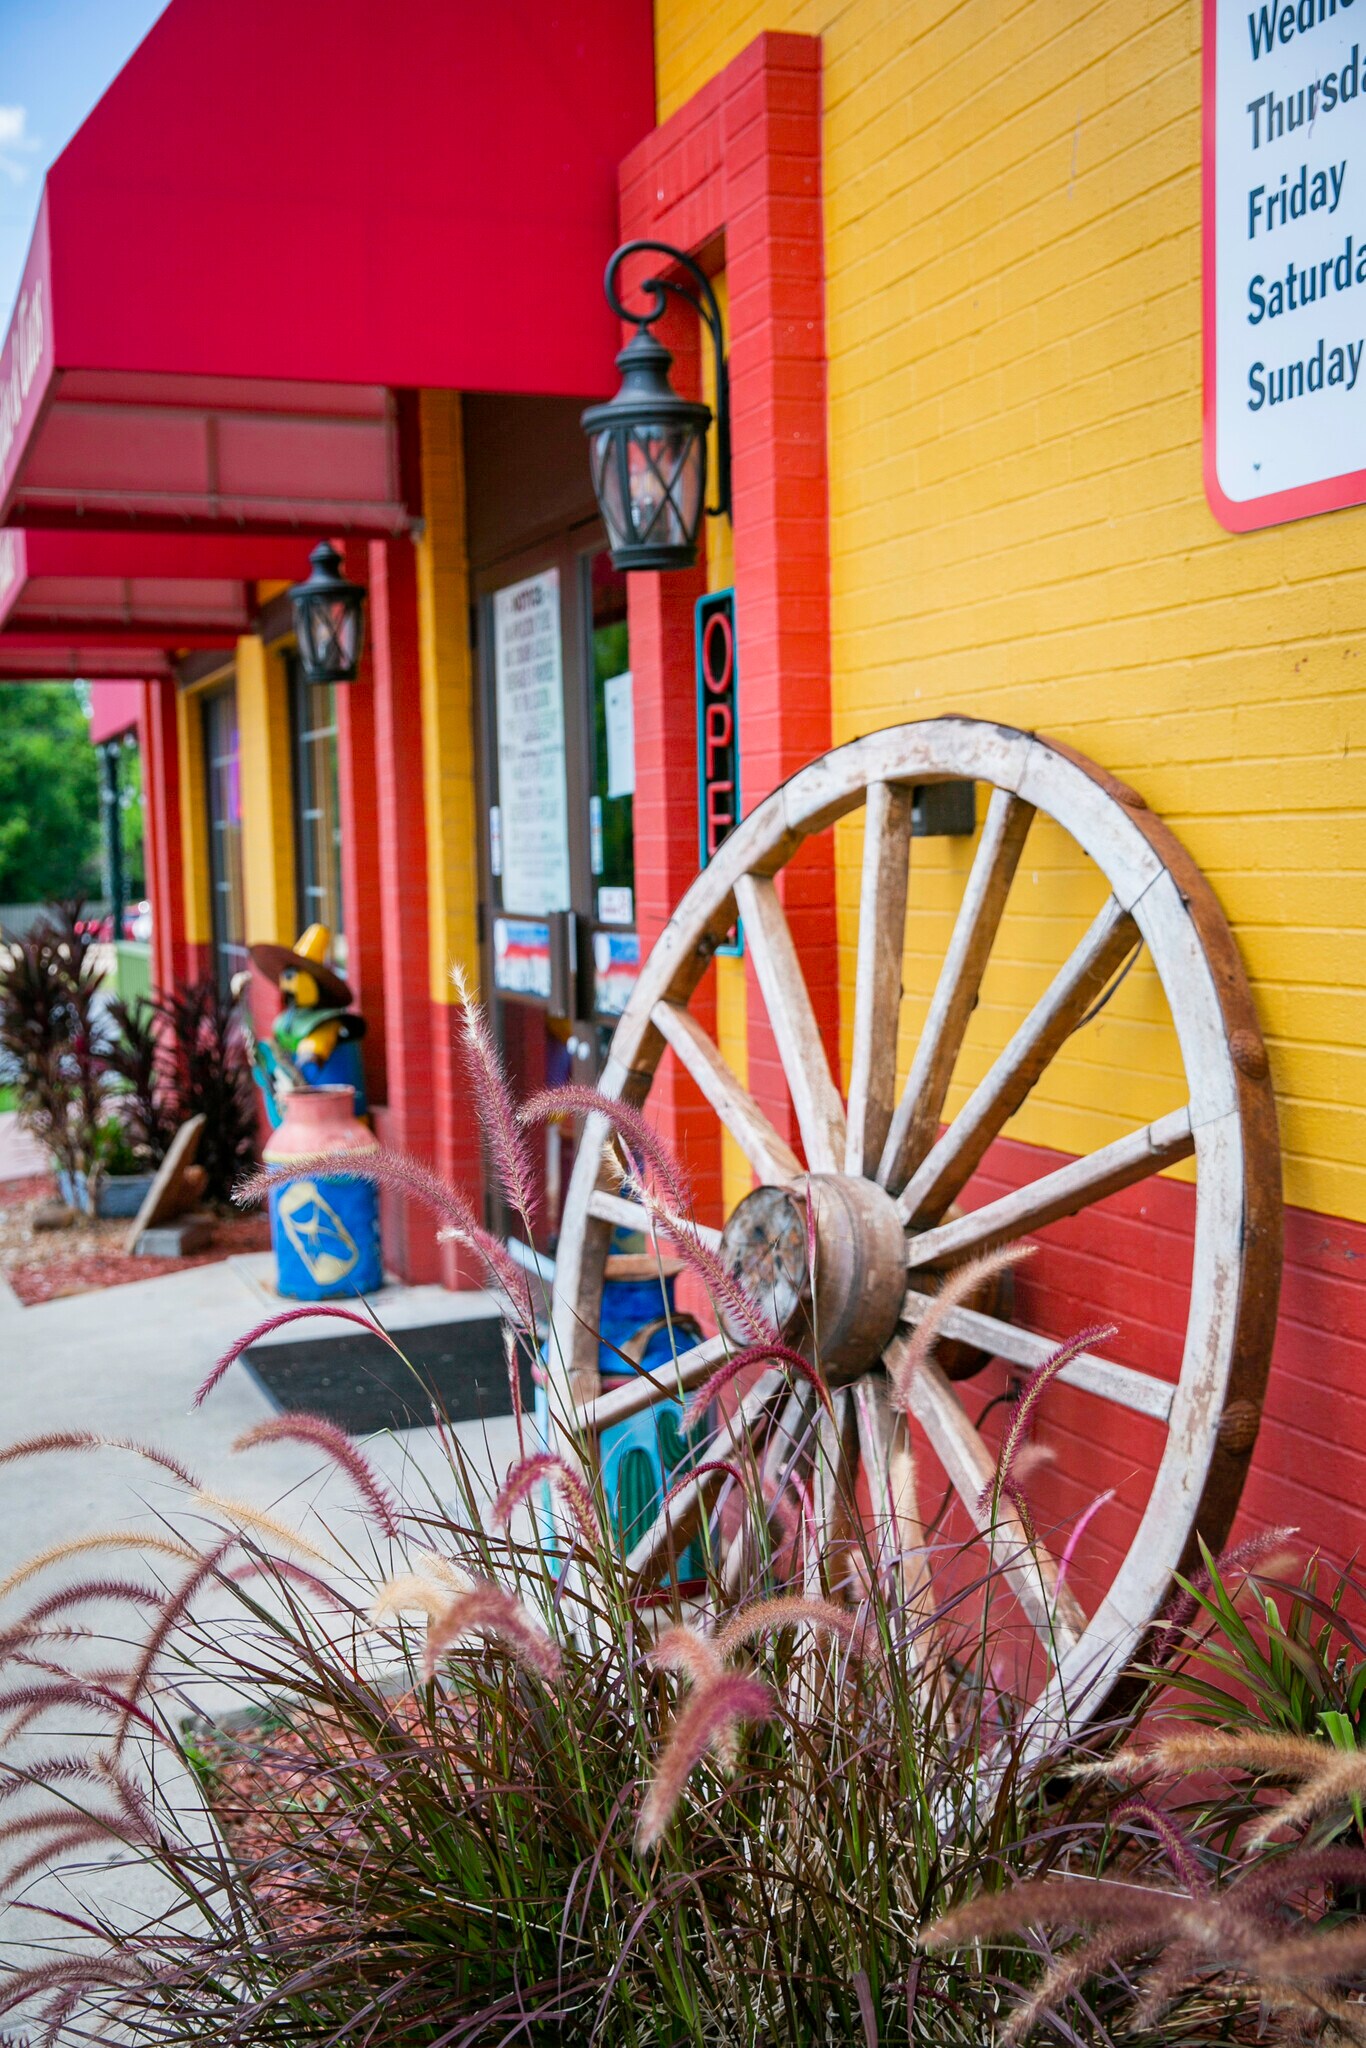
[(521, 957), (1285, 258), (532, 798)]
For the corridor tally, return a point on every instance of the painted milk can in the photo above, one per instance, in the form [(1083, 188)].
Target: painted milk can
[(325, 1232)]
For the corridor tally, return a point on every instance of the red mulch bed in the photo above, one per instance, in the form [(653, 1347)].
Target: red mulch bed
[(45, 1265)]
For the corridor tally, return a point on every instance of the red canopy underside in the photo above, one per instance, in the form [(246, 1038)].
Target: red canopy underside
[(278, 217), (169, 590), (29, 658)]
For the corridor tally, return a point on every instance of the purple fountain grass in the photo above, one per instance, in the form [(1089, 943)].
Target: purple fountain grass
[(401, 1174), (488, 1610), (292, 1575), (559, 1474), (789, 1610), (630, 1126), (1327, 1777), (1078, 1530), (410, 1589), (1176, 1844), (687, 1651), (100, 1539), (495, 1104), (79, 1594), (229, 1509), (685, 1478), (726, 1703), (321, 1435), (90, 1440), (278, 1322), (172, 1614), (52, 1770), (1238, 1559), (957, 1286), (62, 1972), (88, 1693), (734, 1306), (1026, 1408), (776, 1353), (691, 1655), (129, 1825), (1281, 1877)]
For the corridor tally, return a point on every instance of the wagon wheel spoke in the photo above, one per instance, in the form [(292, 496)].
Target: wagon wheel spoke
[(1141, 1392), (786, 1447), (1053, 1610), (1073, 1187), (833, 1502), (1064, 1003), (877, 981), (769, 1154), (678, 1520), (889, 1466), (635, 1216), (669, 1377), (820, 1113), (915, 1125)]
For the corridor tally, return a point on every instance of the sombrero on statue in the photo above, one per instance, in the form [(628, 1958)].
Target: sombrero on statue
[(308, 955)]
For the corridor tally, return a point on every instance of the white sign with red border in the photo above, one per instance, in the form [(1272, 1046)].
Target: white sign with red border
[(1284, 258)]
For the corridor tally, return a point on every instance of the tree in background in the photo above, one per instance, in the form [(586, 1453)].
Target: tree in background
[(49, 795)]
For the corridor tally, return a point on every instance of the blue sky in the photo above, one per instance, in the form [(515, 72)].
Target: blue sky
[(56, 58)]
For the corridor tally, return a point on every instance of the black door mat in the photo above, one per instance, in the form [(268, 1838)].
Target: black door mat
[(358, 1382)]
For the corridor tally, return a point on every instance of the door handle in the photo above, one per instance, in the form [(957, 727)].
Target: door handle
[(563, 965)]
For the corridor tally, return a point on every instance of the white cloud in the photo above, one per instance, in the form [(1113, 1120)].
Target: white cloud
[(15, 144)]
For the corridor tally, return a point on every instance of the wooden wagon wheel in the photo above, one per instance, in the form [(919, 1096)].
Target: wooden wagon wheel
[(884, 1180)]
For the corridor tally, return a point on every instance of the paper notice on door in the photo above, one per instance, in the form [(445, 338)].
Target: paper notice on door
[(533, 803), (620, 717)]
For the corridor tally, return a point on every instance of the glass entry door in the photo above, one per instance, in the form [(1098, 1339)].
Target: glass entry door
[(557, 859)]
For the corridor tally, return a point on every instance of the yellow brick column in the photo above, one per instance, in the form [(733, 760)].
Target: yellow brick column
[(450, 784), (448, 764), (194, 828), (268, 876)]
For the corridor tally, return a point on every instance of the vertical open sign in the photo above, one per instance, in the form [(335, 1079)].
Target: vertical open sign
[(718, 727)]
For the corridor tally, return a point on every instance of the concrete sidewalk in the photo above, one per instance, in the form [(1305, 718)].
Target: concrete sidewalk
[(125, 1362)]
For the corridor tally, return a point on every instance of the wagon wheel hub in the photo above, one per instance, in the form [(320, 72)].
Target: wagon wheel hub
[(847, 1319)]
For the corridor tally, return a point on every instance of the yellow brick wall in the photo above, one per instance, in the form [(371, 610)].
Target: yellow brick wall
[(1019, 529), (194, 820), (268, 877), (448, 764)]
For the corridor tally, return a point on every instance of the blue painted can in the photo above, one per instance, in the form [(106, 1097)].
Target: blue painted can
[(325, 1232)]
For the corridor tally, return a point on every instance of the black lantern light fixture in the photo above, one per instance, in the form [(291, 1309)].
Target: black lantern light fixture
[(329, 619), (648, 446)]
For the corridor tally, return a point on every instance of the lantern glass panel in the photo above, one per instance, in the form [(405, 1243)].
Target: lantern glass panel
[(666, 479), (607, 487)]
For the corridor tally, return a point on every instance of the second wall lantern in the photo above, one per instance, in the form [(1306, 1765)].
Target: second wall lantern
[(329, 619), (648, 446)]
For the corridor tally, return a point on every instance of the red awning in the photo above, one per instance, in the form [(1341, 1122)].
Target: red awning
[(164, 590), (115, 708), (277, 217), (40, 658)]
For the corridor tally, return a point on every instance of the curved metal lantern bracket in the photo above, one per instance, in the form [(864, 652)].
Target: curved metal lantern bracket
[(703, 302)]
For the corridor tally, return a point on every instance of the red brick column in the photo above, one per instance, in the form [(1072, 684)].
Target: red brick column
[(734, 176), (661, 620), (358, 801), (408, 1122), (160, 751)]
